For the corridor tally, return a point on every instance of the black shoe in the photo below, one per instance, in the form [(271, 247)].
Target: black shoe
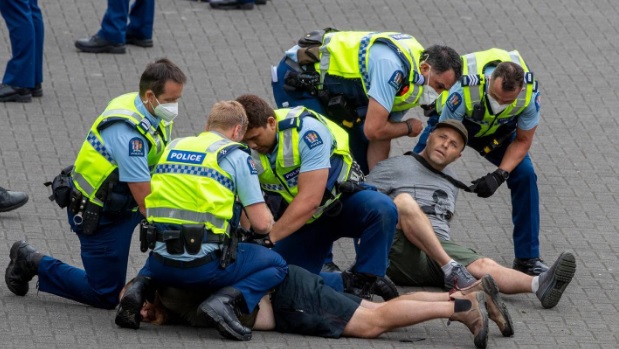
[(10, 200), (384, 287), (553, 283), (10, 93), (364, 286), (330, 267), (231, 5), (132, 40), (37, 91), (530, 266), (22, 268), (261, 2), (128, 313), (223, 309), (95, 44)]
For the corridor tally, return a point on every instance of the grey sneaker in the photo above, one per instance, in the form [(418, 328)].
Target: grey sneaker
[(459, 278), (553, 282)]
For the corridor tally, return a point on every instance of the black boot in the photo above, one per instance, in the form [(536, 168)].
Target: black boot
[(224, 308), (128, 313), (10, 200), (22, 268), (364, 286)]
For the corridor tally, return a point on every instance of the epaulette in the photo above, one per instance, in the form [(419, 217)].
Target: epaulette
[(470, 80)]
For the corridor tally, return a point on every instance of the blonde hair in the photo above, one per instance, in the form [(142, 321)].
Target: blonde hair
[(225, 115)]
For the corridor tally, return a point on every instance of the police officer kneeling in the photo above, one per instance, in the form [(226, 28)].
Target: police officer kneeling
[(192, 225)]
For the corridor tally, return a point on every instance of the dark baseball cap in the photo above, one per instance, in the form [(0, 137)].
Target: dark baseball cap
[(456, 125)]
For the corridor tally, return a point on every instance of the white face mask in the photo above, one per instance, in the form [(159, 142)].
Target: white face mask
[(167, 112), (429, 94), (495, 106)]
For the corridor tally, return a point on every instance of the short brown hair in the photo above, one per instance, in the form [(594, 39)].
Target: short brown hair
[(512, 75), (257, 109), (225, 115), (158, 73)]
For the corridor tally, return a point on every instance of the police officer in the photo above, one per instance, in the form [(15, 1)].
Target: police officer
[(498, 101), (115, 32), (110, 180), (24, 71), (366, 81), (195, 187), (303, 158)]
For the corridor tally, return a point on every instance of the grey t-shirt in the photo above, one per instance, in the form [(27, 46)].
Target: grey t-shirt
[(435, 195)]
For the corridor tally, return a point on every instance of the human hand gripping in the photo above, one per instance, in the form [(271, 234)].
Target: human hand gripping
[(414, 127)]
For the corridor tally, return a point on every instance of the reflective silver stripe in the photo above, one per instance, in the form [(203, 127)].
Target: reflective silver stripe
[(288, 149), (257, 161), (90, 191), (288, 153), (175, 142), (515, 57), (185, 215), (124, 112), (325, 58), (220, 143), (522, 96), (152, 130), (471, 62)]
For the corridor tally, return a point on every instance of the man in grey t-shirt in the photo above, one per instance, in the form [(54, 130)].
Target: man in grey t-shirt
[(420, 192)]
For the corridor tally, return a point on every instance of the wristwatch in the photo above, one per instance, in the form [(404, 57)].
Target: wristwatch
[(501, 172)]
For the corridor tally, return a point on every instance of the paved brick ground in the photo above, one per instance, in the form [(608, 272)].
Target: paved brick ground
[(571, 45)]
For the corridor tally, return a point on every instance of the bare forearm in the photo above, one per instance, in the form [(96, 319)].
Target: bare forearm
[(514, 154), (140, 191), (296, 215)]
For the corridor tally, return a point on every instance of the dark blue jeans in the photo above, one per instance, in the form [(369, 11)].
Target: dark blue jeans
[(114, 26), (26, 31)]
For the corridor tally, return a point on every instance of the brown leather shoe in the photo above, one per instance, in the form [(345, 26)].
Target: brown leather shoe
[(497, 310), (471, 311)]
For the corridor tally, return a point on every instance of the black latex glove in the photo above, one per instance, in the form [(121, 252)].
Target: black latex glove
[(485, 186)]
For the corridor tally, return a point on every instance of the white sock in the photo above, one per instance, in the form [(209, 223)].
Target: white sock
[(449, 266), (535, 284)]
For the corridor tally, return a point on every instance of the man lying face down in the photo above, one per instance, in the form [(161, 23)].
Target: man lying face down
[(304, 304)]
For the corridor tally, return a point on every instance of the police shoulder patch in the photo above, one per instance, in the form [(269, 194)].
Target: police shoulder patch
[(312, 139), (397, 79), (136, 147), (454, 101), (538, 102), (252, 166)]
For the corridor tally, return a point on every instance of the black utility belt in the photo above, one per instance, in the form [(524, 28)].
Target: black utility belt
[(187, 238), (209, 236), (186, 264)]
